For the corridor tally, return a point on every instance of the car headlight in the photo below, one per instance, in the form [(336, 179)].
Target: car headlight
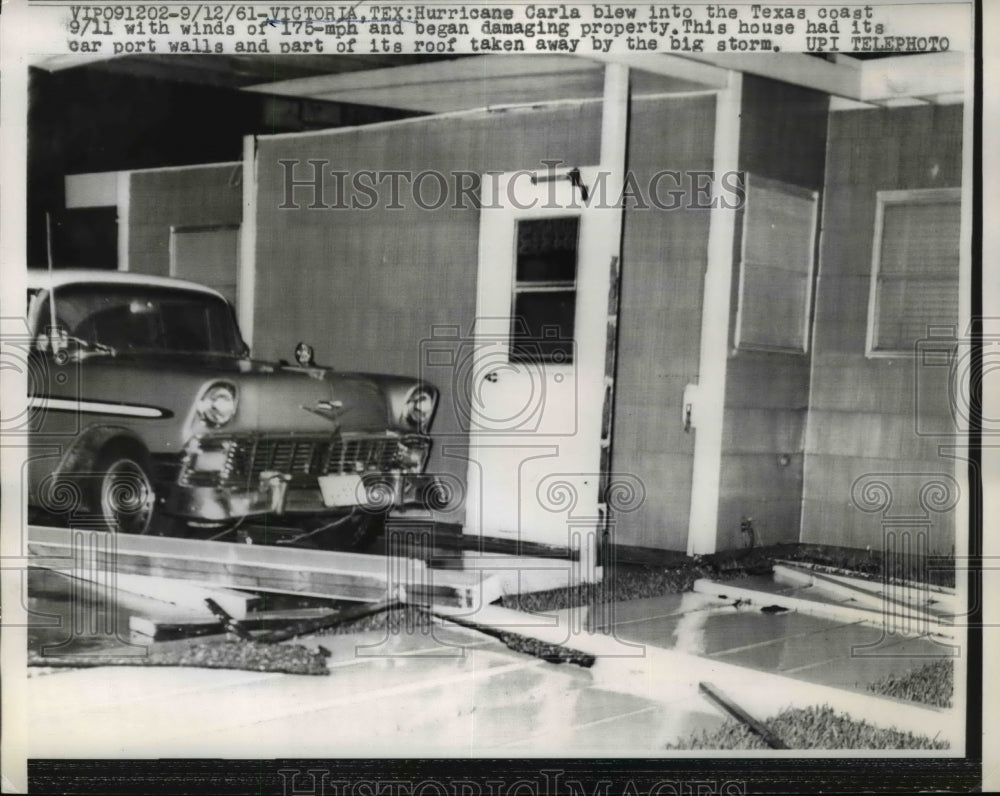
[(419, 407), (217, 405)]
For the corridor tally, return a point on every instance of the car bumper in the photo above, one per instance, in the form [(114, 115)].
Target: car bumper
[(274, 494)]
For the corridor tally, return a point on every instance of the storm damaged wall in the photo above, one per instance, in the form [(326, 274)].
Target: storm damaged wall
[(367, 286), (664, 257), (782, 138), (868, 415)]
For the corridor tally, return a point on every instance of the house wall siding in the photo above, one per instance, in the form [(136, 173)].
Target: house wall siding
[(782, 137), (199, 196), (664, 257), (863, 412)]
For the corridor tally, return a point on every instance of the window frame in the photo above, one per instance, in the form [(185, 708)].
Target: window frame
[(793, 190), (519, 287), (913, 196)]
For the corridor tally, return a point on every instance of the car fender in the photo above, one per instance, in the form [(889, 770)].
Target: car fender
[(68, 481)]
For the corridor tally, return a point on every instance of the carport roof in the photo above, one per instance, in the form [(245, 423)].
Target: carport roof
[(439, 84)]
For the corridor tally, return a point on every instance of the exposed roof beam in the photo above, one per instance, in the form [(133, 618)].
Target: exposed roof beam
[(482, 68), (709, 76), (952, 98), (913, 76), (839, 79), (844, 104), (900, 102), (892, 78)]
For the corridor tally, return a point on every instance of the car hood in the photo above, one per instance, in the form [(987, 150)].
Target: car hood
[(270, 397)]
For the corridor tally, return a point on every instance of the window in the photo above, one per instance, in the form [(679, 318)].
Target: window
[(778, 250), (544, 311), (143, 318), (914, 282)]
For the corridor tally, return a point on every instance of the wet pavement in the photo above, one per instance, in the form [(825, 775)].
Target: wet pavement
[(445, 691), (845, 655)]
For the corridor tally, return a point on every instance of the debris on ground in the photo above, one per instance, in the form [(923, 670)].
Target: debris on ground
[(223, 654), (638, 581), (552, 653), (301, 627), (933, 684), (628, 583), (408, 618), (809, 728), (744, 717)]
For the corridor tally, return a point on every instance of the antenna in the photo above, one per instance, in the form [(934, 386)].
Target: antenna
[(52, 281)]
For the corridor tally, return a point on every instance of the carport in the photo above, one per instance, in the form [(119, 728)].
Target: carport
[(711, 356)]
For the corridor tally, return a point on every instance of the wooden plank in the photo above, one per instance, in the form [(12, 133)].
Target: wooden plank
[(185, 626), (866, 598), (330, 620), (940, 593), (725, 592), (186, 594), (347, 576), (231, 625), (741, 715)]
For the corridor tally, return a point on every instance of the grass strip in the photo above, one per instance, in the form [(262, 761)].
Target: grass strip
[(809, 728), (932, 684)]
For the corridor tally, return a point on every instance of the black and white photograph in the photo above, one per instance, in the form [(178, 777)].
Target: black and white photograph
[(495, 398)]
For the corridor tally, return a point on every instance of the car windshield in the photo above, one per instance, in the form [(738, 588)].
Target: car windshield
[(144, 318)]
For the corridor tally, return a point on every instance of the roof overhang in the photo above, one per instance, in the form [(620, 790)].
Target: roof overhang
[(491, 80), (494, 80), (474, 82)]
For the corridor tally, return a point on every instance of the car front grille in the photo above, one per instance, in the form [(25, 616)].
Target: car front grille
[(304, 458)]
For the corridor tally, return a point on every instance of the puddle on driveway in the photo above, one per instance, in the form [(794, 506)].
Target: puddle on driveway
[(842, 654)]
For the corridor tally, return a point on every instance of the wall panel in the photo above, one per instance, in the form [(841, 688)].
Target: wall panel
[(782, 137), (196, 196), (663, 268), (867, 415)]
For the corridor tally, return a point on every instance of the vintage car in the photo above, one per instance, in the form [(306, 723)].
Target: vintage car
[(147, 412)]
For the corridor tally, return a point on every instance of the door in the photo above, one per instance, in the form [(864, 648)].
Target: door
[(536, 376)]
